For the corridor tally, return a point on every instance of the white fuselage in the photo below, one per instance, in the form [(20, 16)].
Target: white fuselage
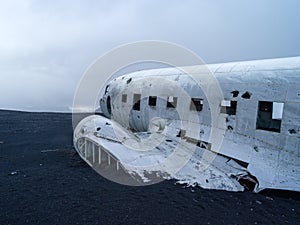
[(257, 114)]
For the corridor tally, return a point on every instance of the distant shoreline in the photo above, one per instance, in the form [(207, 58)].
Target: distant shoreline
[(33, 111), (60, 112)]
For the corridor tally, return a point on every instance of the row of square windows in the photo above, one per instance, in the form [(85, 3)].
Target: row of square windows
[(268, 117), (227, 106), (196, 103)]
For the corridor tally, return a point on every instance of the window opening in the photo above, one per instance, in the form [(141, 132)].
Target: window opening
[(171, 102), (152, 100), (228, 107), (269, 116), (137, 102), (124, 98), (196, 104)]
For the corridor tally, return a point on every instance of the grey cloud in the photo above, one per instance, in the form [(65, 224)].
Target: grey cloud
[(45, 46)]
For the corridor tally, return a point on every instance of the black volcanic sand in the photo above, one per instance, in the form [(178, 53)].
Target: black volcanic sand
[(57, 187)]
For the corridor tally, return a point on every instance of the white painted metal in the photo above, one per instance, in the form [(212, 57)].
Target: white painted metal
[(85, 148), (268, 153), (93, 150), (99, 149), (225, 103), (277, 110)]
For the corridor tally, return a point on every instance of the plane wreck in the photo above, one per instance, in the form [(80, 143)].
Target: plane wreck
[(159, 124)]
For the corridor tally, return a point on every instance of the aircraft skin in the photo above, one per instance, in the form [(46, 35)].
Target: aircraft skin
[(238, 129)]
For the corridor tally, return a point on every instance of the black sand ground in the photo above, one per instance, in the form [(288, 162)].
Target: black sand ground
[(56, 187)]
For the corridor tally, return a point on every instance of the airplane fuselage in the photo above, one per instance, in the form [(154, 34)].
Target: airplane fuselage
[(248, 112)]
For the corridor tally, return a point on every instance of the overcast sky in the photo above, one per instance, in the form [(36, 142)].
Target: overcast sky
[(45, 46)]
